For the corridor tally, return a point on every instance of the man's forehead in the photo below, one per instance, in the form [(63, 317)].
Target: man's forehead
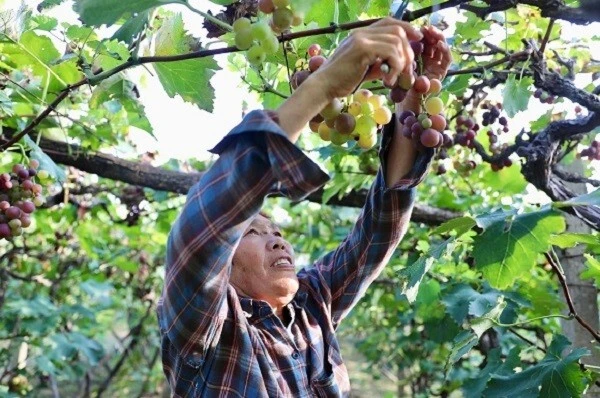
[(262, 221)]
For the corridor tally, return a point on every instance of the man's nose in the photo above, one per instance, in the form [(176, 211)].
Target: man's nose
[(278, 243)]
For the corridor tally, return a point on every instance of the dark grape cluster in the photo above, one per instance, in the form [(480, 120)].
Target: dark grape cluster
[(426, 130), (592, 152), (543, 96), (19, 197), (466, 130)]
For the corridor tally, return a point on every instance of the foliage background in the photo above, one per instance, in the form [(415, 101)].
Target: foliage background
[(469, 308)]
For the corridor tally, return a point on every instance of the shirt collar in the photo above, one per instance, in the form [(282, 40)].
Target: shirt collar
[(252, 307)]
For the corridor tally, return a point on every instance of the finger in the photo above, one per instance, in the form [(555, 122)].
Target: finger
[(409, 55), (409, 30), (389, 52)]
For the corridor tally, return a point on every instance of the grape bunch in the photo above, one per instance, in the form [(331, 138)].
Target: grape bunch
[(19, 197), (426, 129), (282, 14), (257, 38), (357, 119), (592, 152), (543, 96)]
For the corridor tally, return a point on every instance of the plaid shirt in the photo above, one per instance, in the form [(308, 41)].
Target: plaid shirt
[(218, 344)]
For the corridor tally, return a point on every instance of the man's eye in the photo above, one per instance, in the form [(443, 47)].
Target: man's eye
[(277, 233), (252, 231)]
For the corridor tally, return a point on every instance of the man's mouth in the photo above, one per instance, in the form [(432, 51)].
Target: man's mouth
[(283, 262)]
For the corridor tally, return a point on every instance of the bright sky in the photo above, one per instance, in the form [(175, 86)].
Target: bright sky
[(184, 131)]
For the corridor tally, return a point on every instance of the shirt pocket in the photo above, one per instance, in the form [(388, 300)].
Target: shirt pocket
[(326, 387)]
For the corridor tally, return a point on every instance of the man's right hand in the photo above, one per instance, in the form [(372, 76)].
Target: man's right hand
[(386, 40)]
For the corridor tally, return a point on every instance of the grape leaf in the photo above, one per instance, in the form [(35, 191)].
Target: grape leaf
[(486, 321), (457, 300), (55, 171), (558, 377), (473, 388), (98, 12), (190, 78), (516, 94), (508, 248), (509, 180), (593, 270), (223, 2), (132, 28), (45, 4), (572, 239), (411, 276), (588, 199), (461, 345), (459, 224)]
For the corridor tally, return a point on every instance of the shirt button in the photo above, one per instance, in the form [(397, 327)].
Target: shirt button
[(295, 355)]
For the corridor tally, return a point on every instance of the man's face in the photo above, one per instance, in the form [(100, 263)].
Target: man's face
[(263, 264)]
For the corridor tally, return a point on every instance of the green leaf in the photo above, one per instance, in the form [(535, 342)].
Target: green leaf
[(588, 199), (190, 78), (593, 270), (473, 388), (486, 220), (516, 94), (460, 225), (509, 180), (486, 321), (46, 163), (572, 239), (509, 248), (462, 344), (132, 28), (45, 4), (90, 348), (458, 85), (223, 2), (411, 276), (457, 300), (98, 12), (558, 377)]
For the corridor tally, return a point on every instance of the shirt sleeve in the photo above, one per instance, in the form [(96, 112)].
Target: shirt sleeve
[(256, 159), (342, 276)]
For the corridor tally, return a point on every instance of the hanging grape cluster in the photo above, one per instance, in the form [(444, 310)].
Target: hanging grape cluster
[(20, 195)]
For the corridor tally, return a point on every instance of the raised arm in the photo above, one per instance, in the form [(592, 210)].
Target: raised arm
[(343, 275), (256, 158)]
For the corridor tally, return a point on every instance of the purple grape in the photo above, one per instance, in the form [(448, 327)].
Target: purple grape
[(12, 212), (409, 121), (404, 115), (27, 207), (4, 231), (417, 47), (397, 94)]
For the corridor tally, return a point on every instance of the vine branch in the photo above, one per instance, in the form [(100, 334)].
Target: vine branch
[(569, 299)]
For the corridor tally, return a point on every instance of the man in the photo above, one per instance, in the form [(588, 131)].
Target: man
[(235, 319)]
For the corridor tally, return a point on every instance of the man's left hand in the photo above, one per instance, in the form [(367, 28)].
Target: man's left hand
[(436, 55)]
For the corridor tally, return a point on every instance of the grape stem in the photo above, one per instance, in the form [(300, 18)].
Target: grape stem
[(525, 322), (207, 16)]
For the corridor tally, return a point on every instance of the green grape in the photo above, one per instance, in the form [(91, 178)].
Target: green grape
[(366, 125), (426, 123), (366, 108), (355, 108), (338, 138), (434, 106), (241, 24), (324, 132), (281, 3), (332, 109), (243, 40), (382, 115), (270, 45), (282, 18), (260, 31), (256, 55), (367, 141)]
